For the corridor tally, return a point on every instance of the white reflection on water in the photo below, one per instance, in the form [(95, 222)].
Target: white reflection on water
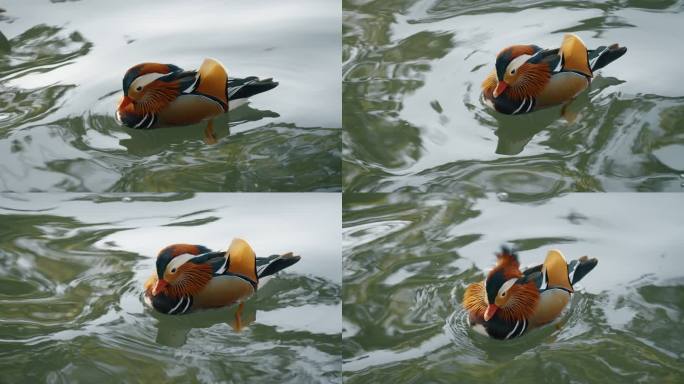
[(85, 257), (283, 39), (631, 234), (307, 224), (324, 319), (412, 301), (387, 356), (365, 233)]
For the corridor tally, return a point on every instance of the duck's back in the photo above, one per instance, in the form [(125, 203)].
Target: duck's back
[(213, 81)]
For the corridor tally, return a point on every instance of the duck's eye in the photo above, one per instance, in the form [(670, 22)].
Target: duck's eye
[(513, 71), (139, 88), (173, 270), (503, 294)]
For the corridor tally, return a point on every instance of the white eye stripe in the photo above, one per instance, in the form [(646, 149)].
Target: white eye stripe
[(507, 285), (145, 79), (179, 260), (517, 62)]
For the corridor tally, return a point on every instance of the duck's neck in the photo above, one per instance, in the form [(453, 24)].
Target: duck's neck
[(191, 282), (531, 83), (522, 305), (157, 99)]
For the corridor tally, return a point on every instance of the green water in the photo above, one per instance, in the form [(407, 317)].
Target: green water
[(434, 181), (408, 258), (60, 80), (414, 121), (72, 269)]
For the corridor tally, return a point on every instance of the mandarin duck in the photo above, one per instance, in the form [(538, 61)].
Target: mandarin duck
[(528, 77), (510, 302), (191, 277), (157, 95)]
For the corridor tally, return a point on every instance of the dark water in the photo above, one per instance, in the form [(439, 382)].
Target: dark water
[(72, 269), (60, 79), (408, 258), (414, 120)]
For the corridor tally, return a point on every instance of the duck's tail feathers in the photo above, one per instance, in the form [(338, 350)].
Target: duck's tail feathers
[(577, 269), (249, 86), (267, 266), (602, 56)]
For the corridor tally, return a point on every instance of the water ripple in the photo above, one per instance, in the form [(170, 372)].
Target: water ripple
[(415, 122)]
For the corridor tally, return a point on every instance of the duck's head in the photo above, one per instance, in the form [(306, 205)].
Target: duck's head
[(147, 87), (175, 272), (515, 71), (507, 292)]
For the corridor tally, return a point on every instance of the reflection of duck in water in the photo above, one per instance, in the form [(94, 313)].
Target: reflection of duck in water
[(515, 132), (158, 95), (528, 77), (192, 277), (143, 143), (510, 302), (174, 330)]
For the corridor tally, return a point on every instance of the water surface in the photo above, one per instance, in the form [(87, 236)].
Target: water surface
[(409, 257), (414, 120), (60, 81), (72, 269)]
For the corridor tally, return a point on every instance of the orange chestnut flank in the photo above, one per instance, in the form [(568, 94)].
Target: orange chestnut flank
[(527, 77), (156, 95), (191, 277), (508, 303)]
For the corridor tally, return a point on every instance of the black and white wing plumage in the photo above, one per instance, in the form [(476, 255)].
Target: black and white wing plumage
[(247, 87), (602, 56), (267, 266), (220, 264)]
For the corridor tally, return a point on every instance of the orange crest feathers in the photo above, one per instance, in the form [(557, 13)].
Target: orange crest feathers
[(507, 258)]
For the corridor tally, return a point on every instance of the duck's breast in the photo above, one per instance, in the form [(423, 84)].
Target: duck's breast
[(189, 109), (223, 290), (562, 87), (551, 304)]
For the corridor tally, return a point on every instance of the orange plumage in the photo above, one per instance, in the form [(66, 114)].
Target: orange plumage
[(194, 278), (521, 299), (530, 81), (159, 95), (190, 277), (528, 77), (510, 301)]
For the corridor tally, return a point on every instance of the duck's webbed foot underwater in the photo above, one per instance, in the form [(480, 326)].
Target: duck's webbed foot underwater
[(567, 114), (209, 134), (238, 318)]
